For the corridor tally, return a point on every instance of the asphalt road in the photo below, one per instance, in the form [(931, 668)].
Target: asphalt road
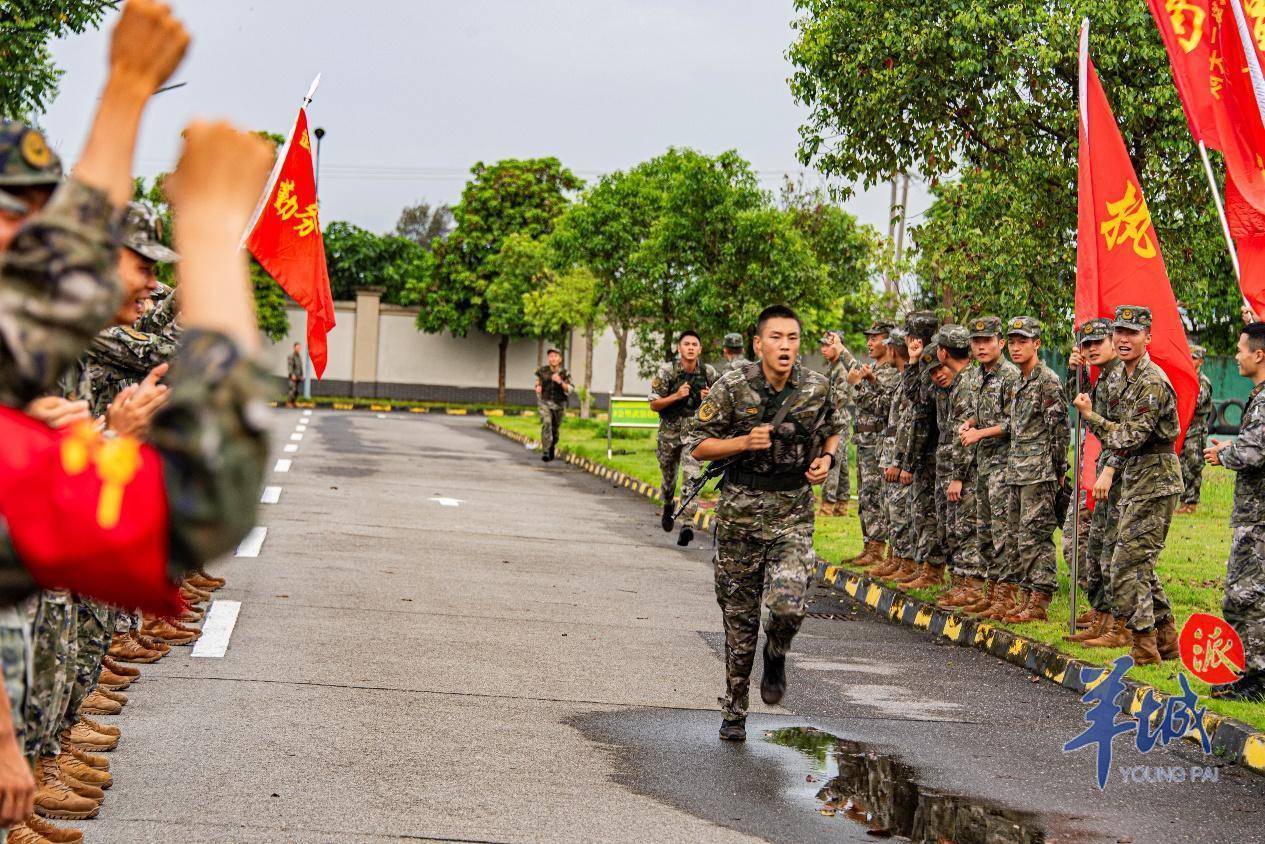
[(442, 638)]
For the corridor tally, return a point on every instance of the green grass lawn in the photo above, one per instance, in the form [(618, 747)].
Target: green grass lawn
[(1192, 566)]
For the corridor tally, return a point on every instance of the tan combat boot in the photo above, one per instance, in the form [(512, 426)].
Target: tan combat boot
[(827, 508), (201, 595), (98, 727), (1166, 640), (887, 567), (1144, 650), (1004, 595), (80, 788), (96, 703), (54, 799), (23, 834), (1022, 597), (956, 585), (1087, 619), (201, 581), (916, 572), (841, 508), (107, 679), (1116, 636), (116, 696), (1101, 622), (92, 760), (47, 832), (161, 629), (191, 615), (121, 670), (71, 764), (905, 566), (86, 738), (931, 576), (972, 589), (150, 643), (1035, 609), (210, 578), (983, 600), (127, 649)]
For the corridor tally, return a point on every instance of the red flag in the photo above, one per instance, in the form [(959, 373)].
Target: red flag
[(1239, 103), (87, 514), (1247, 227), (1118, 258), (1187, 28), (286, 240)]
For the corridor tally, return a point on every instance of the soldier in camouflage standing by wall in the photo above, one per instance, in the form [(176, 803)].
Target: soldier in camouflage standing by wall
[(777, 422), (896, 511), (1192, 456), (294, 375), (1243, 604), (1144, 440), (836, 490), (553, 386), (873, 386)]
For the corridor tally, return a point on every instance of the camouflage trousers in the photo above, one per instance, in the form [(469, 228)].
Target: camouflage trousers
[(53, 661), (898, 519), (870, 494), (94, 628), (551, 416), (292, 393), (673, 455), (928, 530), (15, 653), (1140, 529), (838, 485), (751, 568), (992, 514), (1031, 562), (1070, 529), (1192, 463), (1244, 602), (958, 518)]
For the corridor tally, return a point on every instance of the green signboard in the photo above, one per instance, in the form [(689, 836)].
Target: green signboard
[(629, 412)]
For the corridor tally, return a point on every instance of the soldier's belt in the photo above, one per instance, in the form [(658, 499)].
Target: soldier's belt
[(780, 482), (1152, 448)]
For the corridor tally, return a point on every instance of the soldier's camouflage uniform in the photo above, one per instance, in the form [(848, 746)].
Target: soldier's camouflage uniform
[(916, 443), (837, 486), (874, 404), (294, 376), (733, 363), (1192, 456), (551, 404), (1150, 480), (674, 427), (15, 649), (52, 671), (764, 537), (1036, 463), (897, 507), (959, 464), (992, 493), (1243, 604)]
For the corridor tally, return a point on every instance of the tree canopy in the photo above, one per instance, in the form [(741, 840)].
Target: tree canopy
[(423, 224), (29, 80)]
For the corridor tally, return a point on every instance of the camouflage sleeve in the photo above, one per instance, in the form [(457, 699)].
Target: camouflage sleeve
[(1203, 406), (659, 385), (835, 418), (711, 374), (566, 377), (127, 348), (715, 415), (921, 421), (1135, 428), (160, 317), (1069, 388), (1248, 451), (902, 446), (540, 378), (57, 290), (214, 446), (1056, 419)]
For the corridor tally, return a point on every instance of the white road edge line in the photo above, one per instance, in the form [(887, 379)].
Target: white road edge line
[(251, 545), (272, 494), (221, 618), (283, 465)]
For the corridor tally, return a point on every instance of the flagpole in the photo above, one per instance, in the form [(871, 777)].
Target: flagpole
[(1076, 516), (1225, 223)]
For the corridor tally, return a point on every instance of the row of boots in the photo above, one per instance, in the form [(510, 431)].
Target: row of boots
[(882, 564), (72, 785)]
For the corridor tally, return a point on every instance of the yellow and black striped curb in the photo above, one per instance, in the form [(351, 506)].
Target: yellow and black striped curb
[(1231, 740), (438, 410), (702, 519)]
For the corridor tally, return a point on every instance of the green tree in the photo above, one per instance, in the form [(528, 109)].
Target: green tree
[(423, 224), (571, 297), (359, 258), (29, 80), (520, 267), (509, 197), (986, 93)]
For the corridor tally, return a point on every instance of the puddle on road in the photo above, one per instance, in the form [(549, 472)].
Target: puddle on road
[(882, 794)]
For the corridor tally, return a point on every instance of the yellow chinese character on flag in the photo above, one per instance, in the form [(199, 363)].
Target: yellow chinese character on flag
[(1130, 220), (286, 203), (1181, 13), (308, 220), (304, 142)]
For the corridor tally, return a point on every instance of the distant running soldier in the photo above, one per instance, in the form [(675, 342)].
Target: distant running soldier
[(553, 386)]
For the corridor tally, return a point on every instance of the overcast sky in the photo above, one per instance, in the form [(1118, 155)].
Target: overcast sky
[(414, 92)]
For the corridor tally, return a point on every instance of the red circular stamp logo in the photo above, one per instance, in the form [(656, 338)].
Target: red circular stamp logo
[(1211, 649)]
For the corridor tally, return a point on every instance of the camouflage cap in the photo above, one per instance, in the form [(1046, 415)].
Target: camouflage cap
[(895, 337), (733, 341), (1093, 330), (25, 158), (1133, 317), (921, 323), (953, 337), (1197, 351), (142, 233), (930, 357), (986, 326), (829, 335), (1024, 326), (878, 327)]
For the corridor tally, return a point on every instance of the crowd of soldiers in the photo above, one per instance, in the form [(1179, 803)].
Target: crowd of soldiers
[(115, 364)]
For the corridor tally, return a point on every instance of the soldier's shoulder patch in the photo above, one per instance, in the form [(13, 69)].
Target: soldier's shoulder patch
[(135, 334), (708, 410)]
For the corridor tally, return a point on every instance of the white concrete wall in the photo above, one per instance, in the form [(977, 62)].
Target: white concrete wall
[(340, 340)]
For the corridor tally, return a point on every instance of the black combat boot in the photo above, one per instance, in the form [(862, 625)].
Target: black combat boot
[(773, 683), (667, 521), (686, 537), (733, 730)]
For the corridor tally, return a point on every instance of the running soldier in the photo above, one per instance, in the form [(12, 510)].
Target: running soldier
[(1244, 602), (1192, 457), (676, 394), (777, 425), (873, 385), (553, 386)]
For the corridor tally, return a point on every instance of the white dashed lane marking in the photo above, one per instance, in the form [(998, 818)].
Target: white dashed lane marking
[(307, 413), (283, 465), (447, 502), (296, 438), (291, 449), (221, 618), (272, 494), (254, 541)]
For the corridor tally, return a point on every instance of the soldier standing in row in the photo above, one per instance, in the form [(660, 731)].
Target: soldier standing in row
[(873, 385), (777, 421), (895, 495), (1192, 457), (1244, 601), (734, 350), (836, 490), (676, 393), (553, 386), (916, 442), (1143, 439), (294, 366)]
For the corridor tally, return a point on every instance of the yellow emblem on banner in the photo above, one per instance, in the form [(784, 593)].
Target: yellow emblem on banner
[(1130, 221)]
